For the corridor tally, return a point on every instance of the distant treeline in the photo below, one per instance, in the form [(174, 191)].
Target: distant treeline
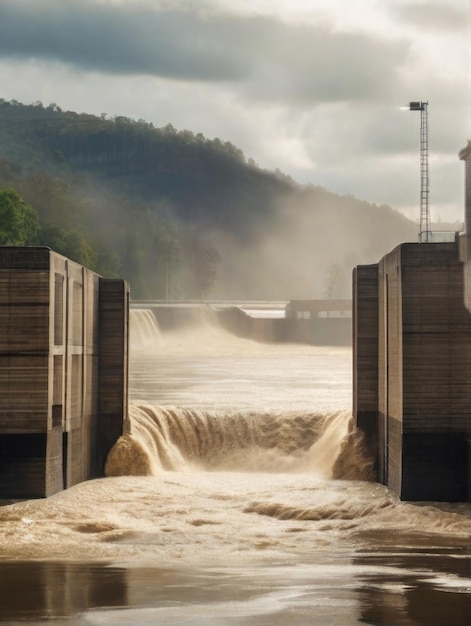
[(180, 215)]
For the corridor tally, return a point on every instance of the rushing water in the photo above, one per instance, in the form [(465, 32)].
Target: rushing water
[(239, 494)]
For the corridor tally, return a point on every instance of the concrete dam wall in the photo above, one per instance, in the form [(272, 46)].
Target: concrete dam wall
[(316, 322)]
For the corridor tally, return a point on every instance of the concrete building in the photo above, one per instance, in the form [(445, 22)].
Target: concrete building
[(63, 371), (412, 365)]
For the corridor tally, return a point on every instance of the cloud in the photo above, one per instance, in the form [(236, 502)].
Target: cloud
[(434, 15), (275, 59), (308, 64), (311, 88), (117, 39)]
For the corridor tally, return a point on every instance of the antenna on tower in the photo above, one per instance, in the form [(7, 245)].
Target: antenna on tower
[(425, 235)]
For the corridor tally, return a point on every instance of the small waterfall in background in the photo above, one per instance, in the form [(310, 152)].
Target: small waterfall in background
[(144, 331)]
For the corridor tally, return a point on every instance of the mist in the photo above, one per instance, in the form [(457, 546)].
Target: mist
[(308, 249)]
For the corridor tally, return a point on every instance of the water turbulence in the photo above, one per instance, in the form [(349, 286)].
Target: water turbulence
[(174, 438)]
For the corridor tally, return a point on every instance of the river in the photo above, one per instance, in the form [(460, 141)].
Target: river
[(240, 494)]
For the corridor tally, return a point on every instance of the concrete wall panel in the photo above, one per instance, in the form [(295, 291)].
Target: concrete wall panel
[(50, 371)]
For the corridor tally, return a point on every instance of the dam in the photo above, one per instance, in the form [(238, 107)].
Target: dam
[(312, 322), (64, 362)]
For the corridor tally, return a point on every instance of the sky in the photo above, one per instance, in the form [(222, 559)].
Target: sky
[(311, 87)]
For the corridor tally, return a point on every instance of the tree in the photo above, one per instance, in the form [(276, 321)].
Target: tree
[(19, 222), (203, 259), (161, 254), (333, 275), (70, 243)]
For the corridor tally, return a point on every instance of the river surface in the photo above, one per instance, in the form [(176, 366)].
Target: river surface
[(240, 494)]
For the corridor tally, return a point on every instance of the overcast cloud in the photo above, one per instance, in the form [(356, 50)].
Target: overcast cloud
[(312, 87)]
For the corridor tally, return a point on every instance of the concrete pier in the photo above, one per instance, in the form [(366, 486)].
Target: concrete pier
[(365, 350), (420, 379), (63, 371)]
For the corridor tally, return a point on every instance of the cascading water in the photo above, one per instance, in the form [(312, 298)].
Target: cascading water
[(174, 438), (144, 331)]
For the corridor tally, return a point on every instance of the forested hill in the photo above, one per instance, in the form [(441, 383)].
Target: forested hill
[(183, 216)]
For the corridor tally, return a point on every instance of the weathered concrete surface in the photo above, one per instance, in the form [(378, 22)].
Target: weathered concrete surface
[(63, 356), (423, 381)]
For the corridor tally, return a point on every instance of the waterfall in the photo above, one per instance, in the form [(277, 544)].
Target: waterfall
[(144, 331)]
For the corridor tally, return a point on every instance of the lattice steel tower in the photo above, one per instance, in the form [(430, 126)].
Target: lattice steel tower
[(425, 235)]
